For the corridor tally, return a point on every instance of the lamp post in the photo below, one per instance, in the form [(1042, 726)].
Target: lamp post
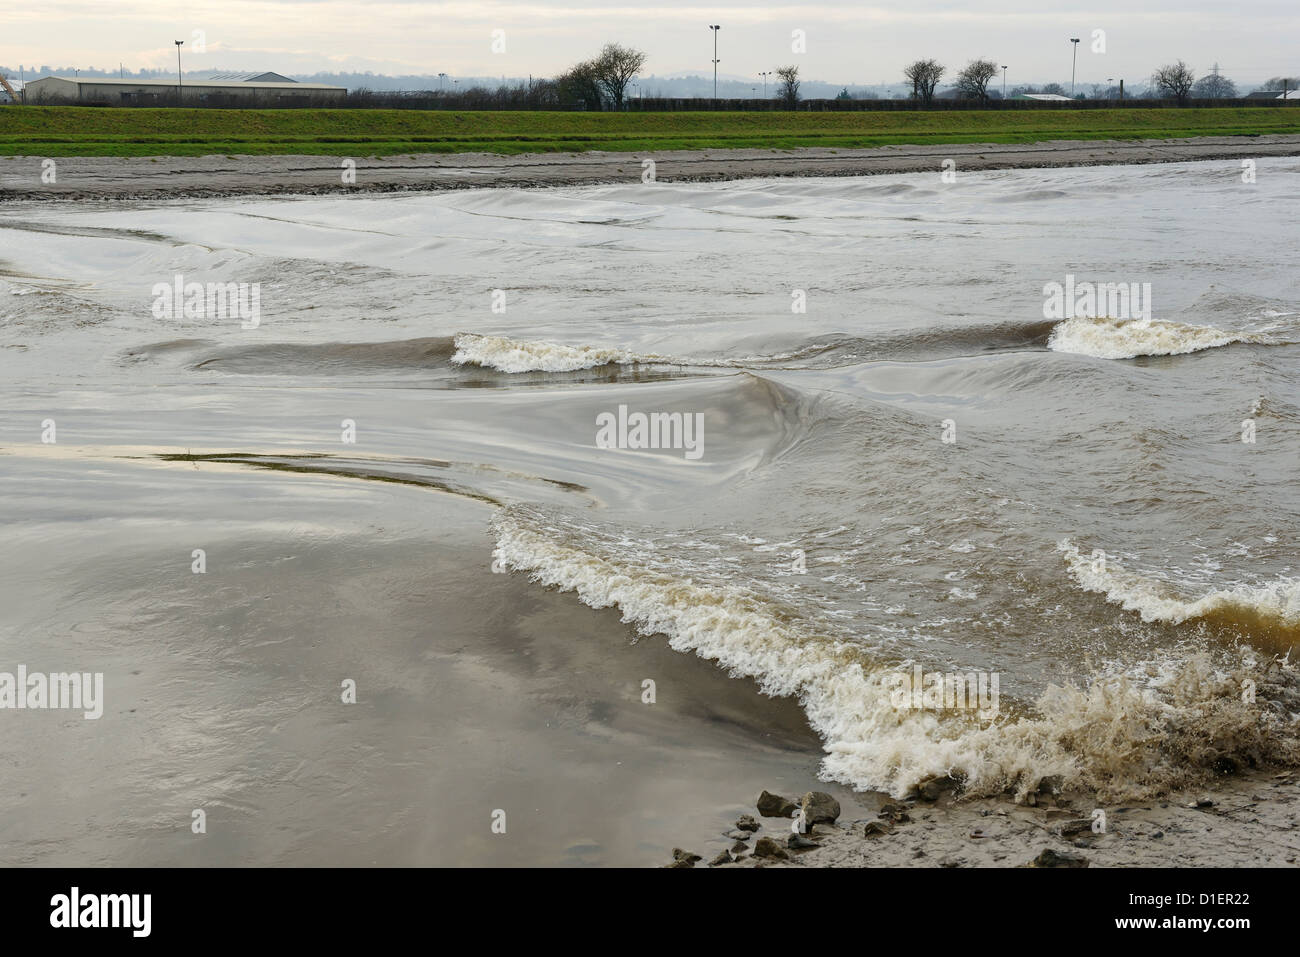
[(765, 74), (179, 82), (442, 77), (1074, 61), (715, 28), (1004, 81)]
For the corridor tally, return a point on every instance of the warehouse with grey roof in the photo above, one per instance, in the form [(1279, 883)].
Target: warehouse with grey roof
[(92, 91)]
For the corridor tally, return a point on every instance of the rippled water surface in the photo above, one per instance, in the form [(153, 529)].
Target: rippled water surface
[(397, 478)]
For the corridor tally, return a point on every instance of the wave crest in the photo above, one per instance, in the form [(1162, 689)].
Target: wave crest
[(1269, 612), (1124, 736), (517, 355), (1129, 338)]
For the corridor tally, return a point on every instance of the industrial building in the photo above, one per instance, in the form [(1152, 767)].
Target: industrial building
[(95, 90)]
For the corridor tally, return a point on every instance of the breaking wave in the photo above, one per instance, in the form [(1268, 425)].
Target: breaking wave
[(1129, 338), (1269, 612), (1125, 735), (515, 355)]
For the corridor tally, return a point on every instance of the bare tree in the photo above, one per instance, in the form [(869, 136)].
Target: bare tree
[(924, 75), (787, 90), (1280, 82), (1214, 86), (1175, 80), (973, 81), (615, 68), (582, 83)]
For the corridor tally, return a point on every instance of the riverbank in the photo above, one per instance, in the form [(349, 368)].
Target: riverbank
[(1249, 821), (168, 177)]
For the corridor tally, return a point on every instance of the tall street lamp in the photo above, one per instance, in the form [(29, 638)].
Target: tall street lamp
[(1074, 61), (715, 28), (765, 74), (1004, 81), (179, 82)]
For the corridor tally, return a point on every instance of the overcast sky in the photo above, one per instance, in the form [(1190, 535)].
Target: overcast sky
[(846, 42)]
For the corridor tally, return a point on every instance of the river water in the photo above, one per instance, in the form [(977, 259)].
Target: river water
[(613, 505)]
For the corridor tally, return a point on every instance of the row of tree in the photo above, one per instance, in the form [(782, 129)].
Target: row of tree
[(972, 81), (605, 79), (1175, 80)]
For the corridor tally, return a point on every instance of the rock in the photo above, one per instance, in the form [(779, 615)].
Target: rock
[(773, 805), (766, 847), (747, 822), (723, 858), (1051, 858), (875, 829), (738, 847), (1205, 802), (797, 842), (687, 856), (934, 788), (1157, 835), (894, 813), (1080, 825), (680, 864), (819, 808)]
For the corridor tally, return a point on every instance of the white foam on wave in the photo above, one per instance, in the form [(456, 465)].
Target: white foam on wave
[(1129, 338), (521, 355), (1275, 603), (1115, 736), (516, 355)]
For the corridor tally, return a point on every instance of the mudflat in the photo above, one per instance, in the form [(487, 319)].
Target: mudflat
[(219, 176)]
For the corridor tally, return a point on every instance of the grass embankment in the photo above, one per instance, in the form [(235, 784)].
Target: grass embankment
[(88, 131)]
